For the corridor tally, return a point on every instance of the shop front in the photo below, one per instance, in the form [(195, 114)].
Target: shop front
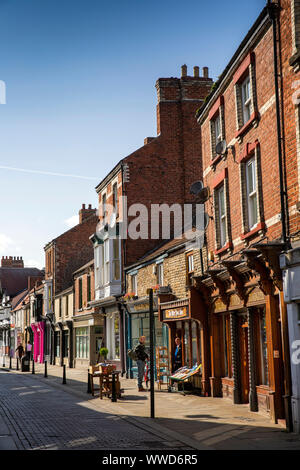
[(138, 324), (88, 338), (186, 319), (246, 319), (38, 329)]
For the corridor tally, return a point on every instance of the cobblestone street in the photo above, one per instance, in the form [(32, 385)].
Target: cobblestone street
[(34, 416)]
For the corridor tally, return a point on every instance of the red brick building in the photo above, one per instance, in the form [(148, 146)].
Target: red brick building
[(160, 172), (254, 191), (64, 255)]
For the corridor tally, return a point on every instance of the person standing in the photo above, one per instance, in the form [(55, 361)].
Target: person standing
[(177, 361), (20, 352), (141, 358)]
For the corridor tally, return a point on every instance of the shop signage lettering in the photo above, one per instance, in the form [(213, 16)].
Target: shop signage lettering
[(174, 313)]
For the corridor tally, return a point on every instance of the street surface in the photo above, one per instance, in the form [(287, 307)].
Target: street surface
[(34, 416)]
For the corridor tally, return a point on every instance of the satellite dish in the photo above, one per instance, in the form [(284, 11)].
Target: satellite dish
[(113, 220), (203, 195), (221, 147), (196, 187)]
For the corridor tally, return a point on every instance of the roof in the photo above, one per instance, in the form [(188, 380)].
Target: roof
[(15, 280), (16, 301), (82, 268), (163, 248)]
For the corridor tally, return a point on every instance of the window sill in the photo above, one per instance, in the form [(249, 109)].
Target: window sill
[(222, 250), (246, 126), (215, 161), (254, 231)]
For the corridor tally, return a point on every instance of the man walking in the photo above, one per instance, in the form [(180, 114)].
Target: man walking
[(141, 358)]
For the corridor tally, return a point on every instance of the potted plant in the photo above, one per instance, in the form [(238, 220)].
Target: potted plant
[(103, 353), (129, 296)]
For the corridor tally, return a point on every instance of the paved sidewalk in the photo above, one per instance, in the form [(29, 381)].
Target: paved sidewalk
[(198, 422)]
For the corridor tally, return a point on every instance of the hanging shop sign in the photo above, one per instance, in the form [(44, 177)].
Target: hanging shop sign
[(141, 305), (176, 313)]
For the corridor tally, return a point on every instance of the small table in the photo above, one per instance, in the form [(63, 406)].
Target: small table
[(105, 383)]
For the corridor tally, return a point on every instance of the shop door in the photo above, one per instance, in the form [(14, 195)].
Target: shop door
[(244, 359)]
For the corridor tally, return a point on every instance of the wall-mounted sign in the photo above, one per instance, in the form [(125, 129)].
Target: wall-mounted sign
[(176, 313)]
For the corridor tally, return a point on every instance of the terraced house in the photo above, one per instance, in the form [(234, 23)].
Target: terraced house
[(251, 174)]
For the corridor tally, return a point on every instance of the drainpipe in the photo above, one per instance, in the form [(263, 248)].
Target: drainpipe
[(273, 10)]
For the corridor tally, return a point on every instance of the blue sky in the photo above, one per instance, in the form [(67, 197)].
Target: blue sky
[(80, 96)]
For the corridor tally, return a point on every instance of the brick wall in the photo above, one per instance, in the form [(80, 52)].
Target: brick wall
[(69, 252), (262, 130), (175, 274), (162, 171)]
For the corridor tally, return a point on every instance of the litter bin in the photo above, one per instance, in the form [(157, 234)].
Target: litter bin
[(24, 364)]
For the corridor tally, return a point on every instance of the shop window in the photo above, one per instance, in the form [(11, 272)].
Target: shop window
[(190, 268), (227, 346), (57, 343), (65, 343), (195, 339), (160, 274), (82, 343), (113, 336), (264, 379)]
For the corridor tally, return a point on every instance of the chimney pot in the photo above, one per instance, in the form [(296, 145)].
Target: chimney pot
[(183, 70), (205, 72), (196, 71), (83, 206), (90, 206)]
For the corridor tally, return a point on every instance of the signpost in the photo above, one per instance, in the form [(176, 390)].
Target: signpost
[(151, 319)]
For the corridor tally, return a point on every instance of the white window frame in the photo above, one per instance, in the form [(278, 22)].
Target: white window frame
[(217, 129), (222, 218), (251, 163), (134, 284), (246, 99), (160, 274), (106, 262)]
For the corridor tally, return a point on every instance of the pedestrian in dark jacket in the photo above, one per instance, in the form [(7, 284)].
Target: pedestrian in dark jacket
[(177, 360), (141, 358)]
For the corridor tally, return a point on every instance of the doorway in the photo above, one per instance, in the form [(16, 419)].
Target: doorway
[(244, 357)]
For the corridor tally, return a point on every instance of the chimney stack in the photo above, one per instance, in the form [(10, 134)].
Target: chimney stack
[(12, 262), (205, 72), (183, 71), (86, 213), (196, 71)]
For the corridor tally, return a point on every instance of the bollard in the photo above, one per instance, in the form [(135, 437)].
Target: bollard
[(113, 388), (89, 388), (64, 375), (32, 366), (3, 361), (10, 365), (17, 368), (45, 373)]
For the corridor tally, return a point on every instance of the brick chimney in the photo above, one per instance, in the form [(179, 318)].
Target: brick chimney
[(12, 262), (187, 91), (86, 213)]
